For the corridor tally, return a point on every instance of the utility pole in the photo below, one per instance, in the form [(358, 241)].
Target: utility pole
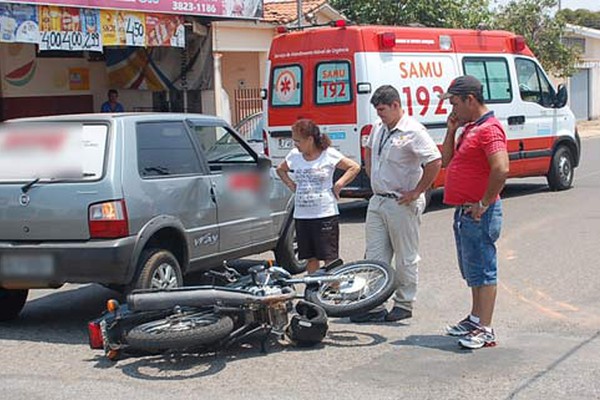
[(299, 11)]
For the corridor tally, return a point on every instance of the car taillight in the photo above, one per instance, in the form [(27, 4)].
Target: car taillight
[(265, 142), (95, 335), (108, 220), (364, 138)]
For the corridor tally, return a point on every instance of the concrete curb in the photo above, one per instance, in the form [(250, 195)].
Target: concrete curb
[(589, 129)]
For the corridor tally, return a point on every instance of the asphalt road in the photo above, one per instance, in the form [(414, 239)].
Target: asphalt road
[(547, 321)]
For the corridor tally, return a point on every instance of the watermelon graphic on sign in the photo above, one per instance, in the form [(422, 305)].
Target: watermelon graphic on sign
[(22, 75)]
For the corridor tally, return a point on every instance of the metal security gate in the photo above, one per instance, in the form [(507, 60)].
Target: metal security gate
[(579, 94), (247, 102)]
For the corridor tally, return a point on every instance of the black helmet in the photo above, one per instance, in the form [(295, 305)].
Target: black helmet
[(309, 326)]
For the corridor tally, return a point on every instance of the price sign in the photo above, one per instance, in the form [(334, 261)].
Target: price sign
[(70, 41), (135, 31)]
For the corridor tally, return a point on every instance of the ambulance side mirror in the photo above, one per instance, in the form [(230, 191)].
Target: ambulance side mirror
[(561, 96)]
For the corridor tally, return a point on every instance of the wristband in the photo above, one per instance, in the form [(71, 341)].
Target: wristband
[(481, 205)]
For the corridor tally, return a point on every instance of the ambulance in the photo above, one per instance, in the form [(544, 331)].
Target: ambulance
[(329, 74)]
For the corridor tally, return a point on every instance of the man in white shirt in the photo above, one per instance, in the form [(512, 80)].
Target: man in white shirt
[(402, 161)]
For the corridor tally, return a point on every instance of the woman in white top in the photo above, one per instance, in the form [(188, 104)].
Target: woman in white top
[(311, 166)]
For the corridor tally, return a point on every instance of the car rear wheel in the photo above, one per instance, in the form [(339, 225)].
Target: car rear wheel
[(158, 269), (12, 302)]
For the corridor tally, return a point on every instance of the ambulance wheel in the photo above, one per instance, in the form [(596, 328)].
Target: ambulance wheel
[(561, 172)]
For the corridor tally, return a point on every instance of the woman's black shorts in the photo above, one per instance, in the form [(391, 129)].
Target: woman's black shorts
[(318, 238)]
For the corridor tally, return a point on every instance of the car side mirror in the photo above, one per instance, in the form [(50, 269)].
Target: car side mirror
[(263, 162), (561, 96)]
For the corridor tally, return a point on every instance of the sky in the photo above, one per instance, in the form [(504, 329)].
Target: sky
[(592, 5)]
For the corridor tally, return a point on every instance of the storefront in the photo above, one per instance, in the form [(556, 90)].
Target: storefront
[(62, 58)]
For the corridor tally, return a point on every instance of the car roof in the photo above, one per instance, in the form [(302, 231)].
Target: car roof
[(145, 116)]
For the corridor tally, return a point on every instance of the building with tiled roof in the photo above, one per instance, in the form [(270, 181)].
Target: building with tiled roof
[(240, 50), (286, 11)]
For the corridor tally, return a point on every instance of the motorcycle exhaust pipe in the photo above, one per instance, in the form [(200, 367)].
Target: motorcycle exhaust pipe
[(149, 300)]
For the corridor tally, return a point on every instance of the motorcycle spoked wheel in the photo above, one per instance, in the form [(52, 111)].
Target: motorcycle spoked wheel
[(369, 283), (179, 332)]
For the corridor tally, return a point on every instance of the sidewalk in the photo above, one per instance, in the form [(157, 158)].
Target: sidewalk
[(589, 128)]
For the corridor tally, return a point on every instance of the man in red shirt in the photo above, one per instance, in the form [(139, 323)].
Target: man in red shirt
[(476, 169)]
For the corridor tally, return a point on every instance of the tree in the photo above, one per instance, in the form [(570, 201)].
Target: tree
[(543, 31), (432, 13), (581, 17)]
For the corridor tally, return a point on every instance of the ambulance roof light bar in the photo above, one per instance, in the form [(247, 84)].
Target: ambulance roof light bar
[(387, 40), (519, 43)]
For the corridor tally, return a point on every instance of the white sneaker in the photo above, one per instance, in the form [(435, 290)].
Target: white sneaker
[(479, 338)]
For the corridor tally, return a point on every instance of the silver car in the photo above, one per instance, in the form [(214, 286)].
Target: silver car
[(132, 201)]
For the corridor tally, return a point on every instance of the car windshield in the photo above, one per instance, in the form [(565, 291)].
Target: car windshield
[(52, 152)]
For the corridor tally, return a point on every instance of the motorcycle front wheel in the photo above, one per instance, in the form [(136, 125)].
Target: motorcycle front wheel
[(363, 285), (179, 332)]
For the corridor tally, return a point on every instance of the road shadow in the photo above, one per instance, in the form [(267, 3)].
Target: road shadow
[(59, 317), (191, 365), (438, 342)]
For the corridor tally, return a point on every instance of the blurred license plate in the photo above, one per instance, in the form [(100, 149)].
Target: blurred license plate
[(286, 143), (23, 266)]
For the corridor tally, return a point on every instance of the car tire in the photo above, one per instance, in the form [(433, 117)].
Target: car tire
[(286, 252), (158, 269), (560, 176), (12, 302)]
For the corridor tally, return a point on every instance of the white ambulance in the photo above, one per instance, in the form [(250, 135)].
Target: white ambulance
[(329, 74)]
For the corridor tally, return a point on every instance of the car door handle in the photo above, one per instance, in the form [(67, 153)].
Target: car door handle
[(213, 195), (516, 120)]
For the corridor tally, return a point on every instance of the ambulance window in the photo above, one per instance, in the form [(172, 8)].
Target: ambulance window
[(533, 84), (286, 86), (333, 83), (494, 76)]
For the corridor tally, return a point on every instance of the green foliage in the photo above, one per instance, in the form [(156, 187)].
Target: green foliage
[(533, 19), (432, 13), (581, 17)]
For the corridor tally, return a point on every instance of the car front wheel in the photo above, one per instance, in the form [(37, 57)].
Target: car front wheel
[(286, 252)]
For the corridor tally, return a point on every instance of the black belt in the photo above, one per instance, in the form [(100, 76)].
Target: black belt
[(388, 195)]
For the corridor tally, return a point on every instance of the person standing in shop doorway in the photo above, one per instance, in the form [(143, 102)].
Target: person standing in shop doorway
[(112, 105)]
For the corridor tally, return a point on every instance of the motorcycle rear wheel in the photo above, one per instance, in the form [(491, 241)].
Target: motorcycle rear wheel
[(179, 332), (371, 283)]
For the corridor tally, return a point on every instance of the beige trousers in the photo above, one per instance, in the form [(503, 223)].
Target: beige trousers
[(392, 231)]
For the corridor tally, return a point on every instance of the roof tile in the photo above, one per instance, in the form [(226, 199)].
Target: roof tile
[(286, 11)]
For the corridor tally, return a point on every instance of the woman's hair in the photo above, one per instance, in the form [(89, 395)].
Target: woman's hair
[(307, 128)]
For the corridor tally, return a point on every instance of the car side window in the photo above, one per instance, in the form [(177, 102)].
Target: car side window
[(533, 85), (493, 74), (220, 146), (165, 149)]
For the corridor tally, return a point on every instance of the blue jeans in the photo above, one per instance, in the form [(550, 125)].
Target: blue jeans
[(475, 245)]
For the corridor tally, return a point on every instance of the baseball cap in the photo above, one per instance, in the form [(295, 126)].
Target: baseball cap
[(463, 85)]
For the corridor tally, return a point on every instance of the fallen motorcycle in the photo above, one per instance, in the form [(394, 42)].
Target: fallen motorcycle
[(256, 303)]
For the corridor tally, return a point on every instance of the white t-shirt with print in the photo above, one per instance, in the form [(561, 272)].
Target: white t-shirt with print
[(314, 183)]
